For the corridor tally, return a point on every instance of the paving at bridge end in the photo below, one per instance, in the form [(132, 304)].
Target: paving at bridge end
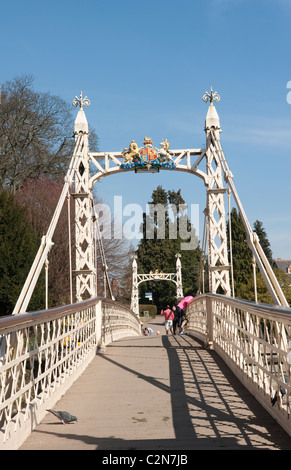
[(163, 393)]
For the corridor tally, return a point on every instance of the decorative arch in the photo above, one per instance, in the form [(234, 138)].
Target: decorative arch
[(137, 279), (79, 179)]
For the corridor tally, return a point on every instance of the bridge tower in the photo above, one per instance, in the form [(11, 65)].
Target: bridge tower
[(86, 284), (79, 183), (219, 267)]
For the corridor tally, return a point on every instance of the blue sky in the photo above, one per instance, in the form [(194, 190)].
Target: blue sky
[(145, 67)]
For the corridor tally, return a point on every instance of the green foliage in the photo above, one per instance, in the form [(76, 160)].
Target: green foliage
[(242, 263), (264, 242), (247, 290), (152, 309), (18, 246), (242, 255), (36, 139), (284, 281), (159, 252)]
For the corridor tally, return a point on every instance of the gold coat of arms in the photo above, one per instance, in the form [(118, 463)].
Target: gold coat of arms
[(147, 157)]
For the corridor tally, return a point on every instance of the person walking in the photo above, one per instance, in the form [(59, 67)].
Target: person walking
[(175, 321), (169, 317)]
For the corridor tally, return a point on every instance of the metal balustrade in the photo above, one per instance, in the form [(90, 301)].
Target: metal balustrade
[(43, 353), (253, 339), (118, 322)]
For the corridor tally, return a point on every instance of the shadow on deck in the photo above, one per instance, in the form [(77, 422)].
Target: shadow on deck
[(159, 393)]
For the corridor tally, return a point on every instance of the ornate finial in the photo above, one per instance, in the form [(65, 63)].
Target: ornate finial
[(211, 97), (81, 101)]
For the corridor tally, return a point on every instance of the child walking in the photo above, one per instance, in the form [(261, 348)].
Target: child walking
[(169, 317)]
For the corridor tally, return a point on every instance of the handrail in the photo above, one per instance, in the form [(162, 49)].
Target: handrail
[(42, 353), (54, 312), (253, 339), (259, 307)]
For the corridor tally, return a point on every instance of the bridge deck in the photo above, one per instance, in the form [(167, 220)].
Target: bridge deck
[(159, 393)]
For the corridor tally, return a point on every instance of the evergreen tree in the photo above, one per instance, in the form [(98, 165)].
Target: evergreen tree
[(264, 242), (284, 281), (263, 295), (158, 248), (242, 263), (18, 246), (241, 254)]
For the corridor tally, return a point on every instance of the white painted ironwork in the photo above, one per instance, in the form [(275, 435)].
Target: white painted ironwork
[(43, 353), (263, 264), (188, 160), (254, 340), (137, 279), (97, 236), (134, 289), (86, 284), (108, 163), (46, 241), (118, 322), (211, 96), (81, 101), (77, 181), (179, 285), (219, 266)]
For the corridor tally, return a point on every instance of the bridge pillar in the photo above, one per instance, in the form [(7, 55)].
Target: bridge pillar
[(86, 286), (179, 287), (219, 267), (134, 294)]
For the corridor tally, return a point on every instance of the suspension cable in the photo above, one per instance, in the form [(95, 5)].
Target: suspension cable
[(263, 264), (230, 242), (46, 267), (202, 259), (102, 254), (70, 246)]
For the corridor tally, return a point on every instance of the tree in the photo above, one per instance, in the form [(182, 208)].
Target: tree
[(118, 255), (18, 246), (264, 242), (247, 291), (158, 247), (242, 256), (242, 263), (39, 197), (36, 134), (284, 281), (120, 271)]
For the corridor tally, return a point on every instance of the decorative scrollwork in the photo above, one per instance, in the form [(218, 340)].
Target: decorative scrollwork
[(81, 101), (211, 97)]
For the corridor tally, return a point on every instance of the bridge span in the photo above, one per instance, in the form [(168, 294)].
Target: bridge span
[(161, 393), (223, 385)]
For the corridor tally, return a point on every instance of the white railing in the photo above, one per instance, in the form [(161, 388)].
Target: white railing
[(118, 322), (253, 339), (43, 353)]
